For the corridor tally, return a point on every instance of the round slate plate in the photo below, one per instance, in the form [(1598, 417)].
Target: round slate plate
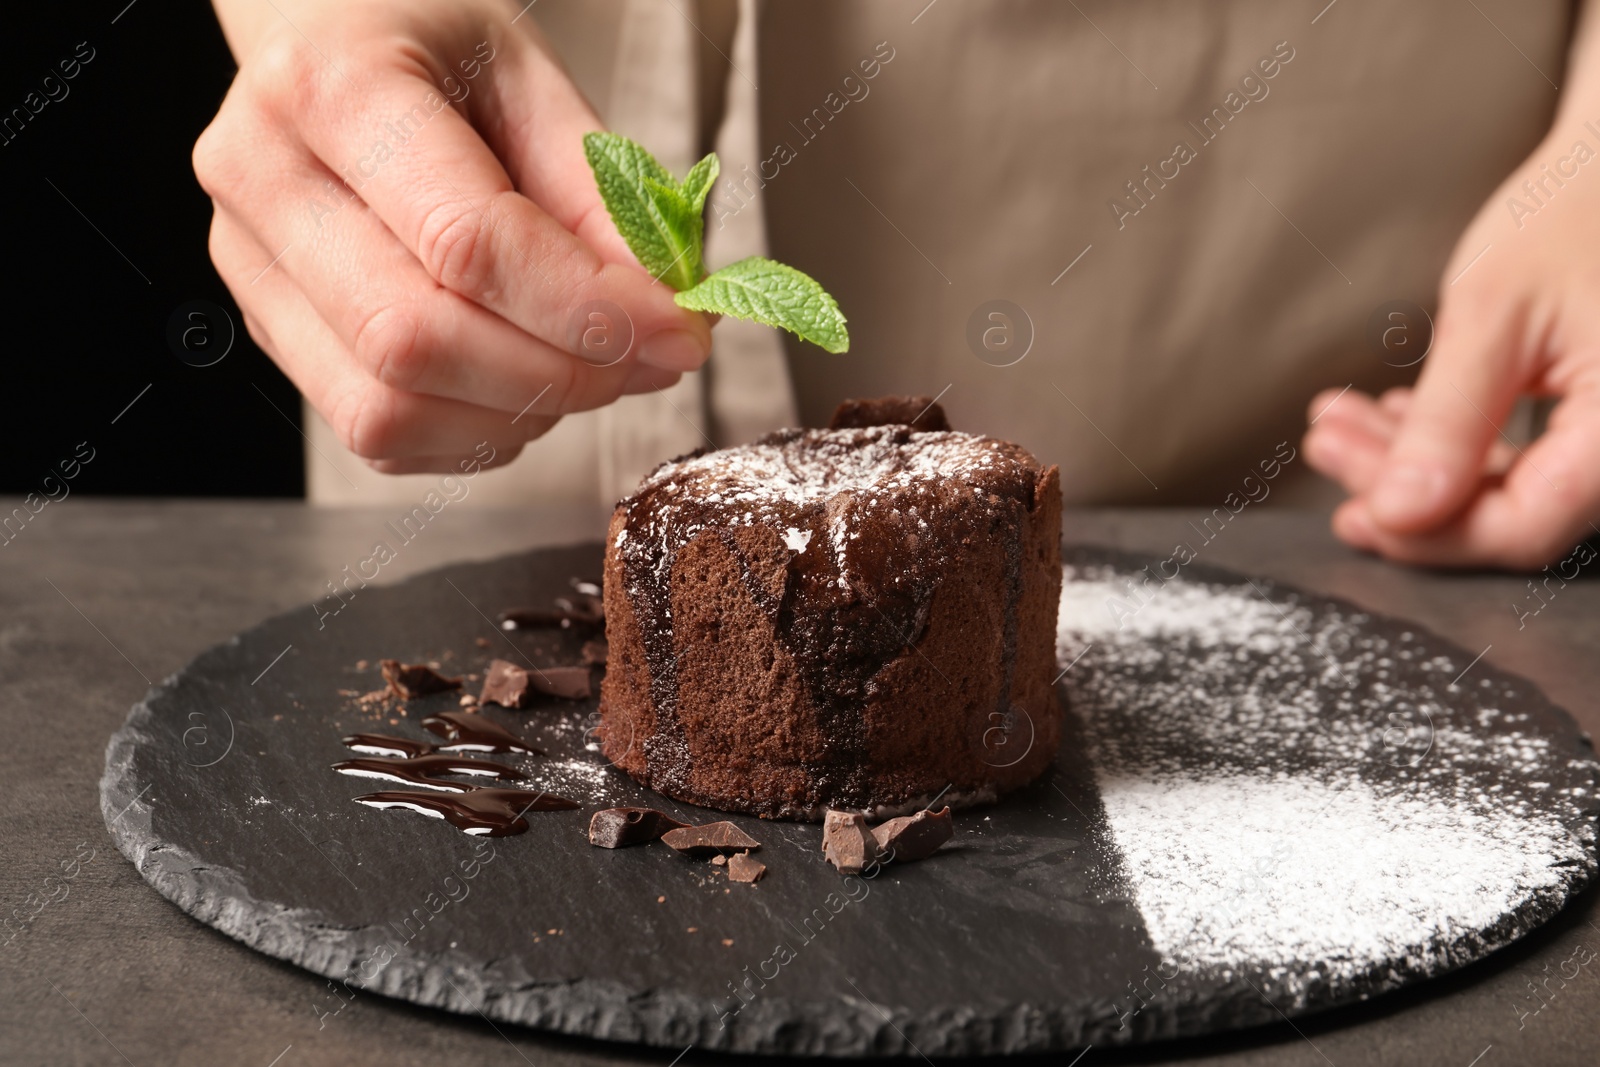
[(1029, 932)]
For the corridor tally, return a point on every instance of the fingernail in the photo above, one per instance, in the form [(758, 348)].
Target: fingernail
[(1406, 494), (1353, 525), (1324, 451), (673, 350)]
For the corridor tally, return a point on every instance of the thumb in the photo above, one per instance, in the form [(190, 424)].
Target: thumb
[(1466, 390)]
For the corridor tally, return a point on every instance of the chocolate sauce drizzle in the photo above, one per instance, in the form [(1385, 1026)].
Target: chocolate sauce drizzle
[(385, 745), (469, 806), (858, 593), (485, 811), (426, 770), (465, 731)]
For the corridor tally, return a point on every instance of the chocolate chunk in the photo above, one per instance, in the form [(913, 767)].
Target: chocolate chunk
[(914, 837), (719, 860), (621, 827), (846, 841), (595, 652), (512, 686), (506, 684), (571, 683), (410, 680), (709, 839), (921, 413), (743, 867)]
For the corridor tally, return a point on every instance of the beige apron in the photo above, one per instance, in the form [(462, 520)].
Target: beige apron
[(1135, 237)]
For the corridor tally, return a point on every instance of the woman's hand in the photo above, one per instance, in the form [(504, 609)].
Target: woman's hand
[(406, 218), (1432, 478)]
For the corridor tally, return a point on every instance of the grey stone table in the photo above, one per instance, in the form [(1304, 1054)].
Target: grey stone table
[(99, 598)]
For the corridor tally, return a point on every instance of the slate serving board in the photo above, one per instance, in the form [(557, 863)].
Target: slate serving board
[(1018, 937)]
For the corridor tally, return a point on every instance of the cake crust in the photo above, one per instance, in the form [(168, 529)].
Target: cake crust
[(857, 618)]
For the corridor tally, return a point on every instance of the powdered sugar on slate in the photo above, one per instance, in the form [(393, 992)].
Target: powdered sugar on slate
[(589, 780), (1300, 793)]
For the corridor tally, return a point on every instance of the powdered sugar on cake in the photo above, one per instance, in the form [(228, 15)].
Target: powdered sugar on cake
[(1295, 792), (829, 478), (803, 466)]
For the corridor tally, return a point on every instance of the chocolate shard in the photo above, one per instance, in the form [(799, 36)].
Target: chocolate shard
[(621, 827), (743, 867), (596, 652), (921, 413), (506, 684), (709, 839), (847, 843), (512, 686), (569, 683), (914, 837), (410, 680)]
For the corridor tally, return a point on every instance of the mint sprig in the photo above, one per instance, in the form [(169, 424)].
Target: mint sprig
[(663, 222)]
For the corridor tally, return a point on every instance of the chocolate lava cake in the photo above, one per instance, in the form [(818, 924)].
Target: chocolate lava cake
[(860, 618)]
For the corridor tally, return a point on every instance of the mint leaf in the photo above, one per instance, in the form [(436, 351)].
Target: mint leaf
[(685, 232), (762, 290), (622, 169), (700, 179)]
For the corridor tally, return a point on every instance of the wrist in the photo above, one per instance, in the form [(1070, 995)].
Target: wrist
[(246, 24)]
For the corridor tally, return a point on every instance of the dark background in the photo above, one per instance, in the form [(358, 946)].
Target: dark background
[(86, 322)]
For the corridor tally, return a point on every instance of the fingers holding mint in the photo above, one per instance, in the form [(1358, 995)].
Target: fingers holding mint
[(451, 202), (416, 237), (473, 274)]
